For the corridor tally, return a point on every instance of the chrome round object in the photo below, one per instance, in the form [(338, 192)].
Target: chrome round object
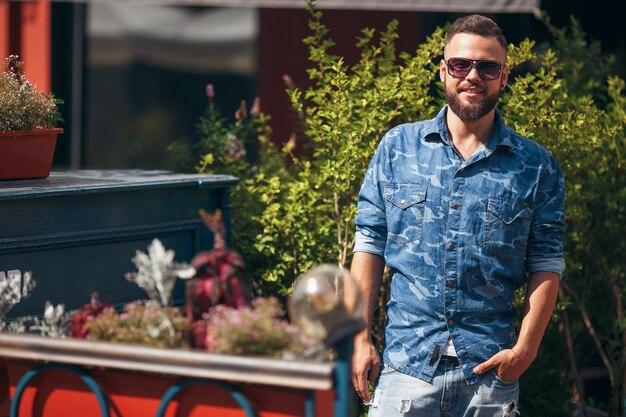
[(326, 304)]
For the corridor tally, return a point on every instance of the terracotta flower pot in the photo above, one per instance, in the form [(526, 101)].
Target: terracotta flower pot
[(27, 153)]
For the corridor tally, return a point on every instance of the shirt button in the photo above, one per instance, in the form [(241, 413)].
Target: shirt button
[(450, 283), (455, 206), (452, 246), (450, 322), (402, 201)]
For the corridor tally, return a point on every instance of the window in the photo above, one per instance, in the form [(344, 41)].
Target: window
[(146, 71)]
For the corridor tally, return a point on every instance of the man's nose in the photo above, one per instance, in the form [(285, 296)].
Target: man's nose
[(473, 74)]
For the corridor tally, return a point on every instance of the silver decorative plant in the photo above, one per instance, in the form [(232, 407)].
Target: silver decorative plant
[(13, 287), (157, 272), (54, 323)]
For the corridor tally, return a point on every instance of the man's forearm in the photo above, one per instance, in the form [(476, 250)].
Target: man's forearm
[(543, 288), (367, 270), (541, 295)]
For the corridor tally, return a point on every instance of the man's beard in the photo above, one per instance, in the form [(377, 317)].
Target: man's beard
[(470, 113)]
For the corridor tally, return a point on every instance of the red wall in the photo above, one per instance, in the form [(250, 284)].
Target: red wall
[(281, 51), (25, 31)]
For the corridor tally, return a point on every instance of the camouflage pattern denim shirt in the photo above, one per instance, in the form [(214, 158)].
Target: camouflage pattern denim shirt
[(460, 236)]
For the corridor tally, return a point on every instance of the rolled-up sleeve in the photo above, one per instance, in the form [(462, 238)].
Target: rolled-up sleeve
[(371, 222), (545, 241)]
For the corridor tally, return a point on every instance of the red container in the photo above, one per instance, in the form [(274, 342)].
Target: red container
[(135, 379), (27, 153), (59, 393)]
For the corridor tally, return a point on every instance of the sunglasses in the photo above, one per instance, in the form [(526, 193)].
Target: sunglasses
[(460, 67)]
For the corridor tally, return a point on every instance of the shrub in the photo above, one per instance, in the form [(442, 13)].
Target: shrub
[(22, 107), (572, 105), (297, 211), (141, 322), (256, 330)]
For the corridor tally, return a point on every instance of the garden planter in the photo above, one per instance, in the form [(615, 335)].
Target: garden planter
[(27, 154), (86, 378)]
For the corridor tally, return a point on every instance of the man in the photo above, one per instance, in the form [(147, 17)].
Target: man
[(463, 211)]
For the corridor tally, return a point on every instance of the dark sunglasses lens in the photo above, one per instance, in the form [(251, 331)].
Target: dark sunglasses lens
[(488, 70), (459, 67)]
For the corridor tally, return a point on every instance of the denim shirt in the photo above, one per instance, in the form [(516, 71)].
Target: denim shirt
[(460, 236)]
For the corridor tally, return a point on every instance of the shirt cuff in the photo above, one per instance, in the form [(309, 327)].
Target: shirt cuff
[(364, 243), (556, 265)]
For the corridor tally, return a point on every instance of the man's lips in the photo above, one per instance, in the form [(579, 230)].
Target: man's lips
[(471, 91)]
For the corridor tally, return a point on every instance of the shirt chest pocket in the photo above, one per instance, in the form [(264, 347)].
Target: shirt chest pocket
[(507, 227), (405, 204)]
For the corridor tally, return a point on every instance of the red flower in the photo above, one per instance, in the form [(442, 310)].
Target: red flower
[(84, 314), (219, 280)]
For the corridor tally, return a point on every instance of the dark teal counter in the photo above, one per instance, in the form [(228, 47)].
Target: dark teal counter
[(77, 231)]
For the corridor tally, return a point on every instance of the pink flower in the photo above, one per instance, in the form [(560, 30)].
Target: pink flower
[(256, 107)]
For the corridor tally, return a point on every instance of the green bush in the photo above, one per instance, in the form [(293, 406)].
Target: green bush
[(571, 105), (309, 201)]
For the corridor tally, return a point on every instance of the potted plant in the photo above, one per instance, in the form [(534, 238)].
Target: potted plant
[(28, 120)]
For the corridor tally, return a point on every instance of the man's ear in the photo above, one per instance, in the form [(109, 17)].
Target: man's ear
[(504, 78), (442, 71)]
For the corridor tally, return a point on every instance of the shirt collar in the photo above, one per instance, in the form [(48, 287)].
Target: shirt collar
[(501, 135)]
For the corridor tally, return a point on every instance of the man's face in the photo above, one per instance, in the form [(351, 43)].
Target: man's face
[(472, 97)]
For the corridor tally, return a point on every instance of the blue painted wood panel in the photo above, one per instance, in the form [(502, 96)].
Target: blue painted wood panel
[(77, 231)]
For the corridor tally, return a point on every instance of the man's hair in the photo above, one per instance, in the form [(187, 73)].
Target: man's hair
[(476, 24)]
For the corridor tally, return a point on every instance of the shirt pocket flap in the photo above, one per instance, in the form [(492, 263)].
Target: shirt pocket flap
[(405, 195), (509, 210)]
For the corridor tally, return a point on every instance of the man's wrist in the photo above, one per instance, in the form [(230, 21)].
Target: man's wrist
[(524, 353), (364, 336)]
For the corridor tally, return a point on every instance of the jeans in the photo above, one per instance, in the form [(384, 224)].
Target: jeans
[(447, 395)]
